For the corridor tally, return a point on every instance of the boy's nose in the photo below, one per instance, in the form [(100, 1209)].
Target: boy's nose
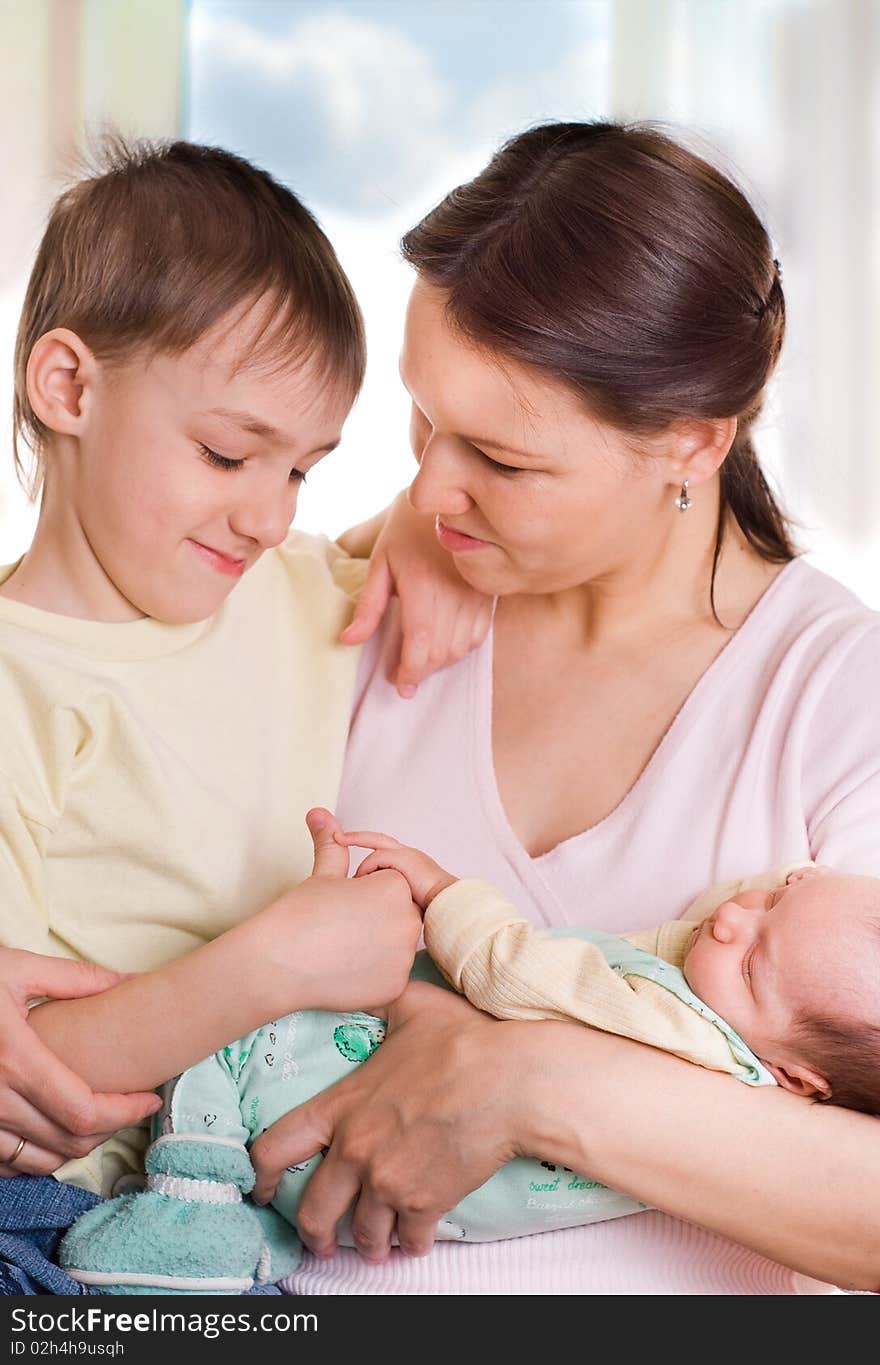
[(438, 486), (265, 520)]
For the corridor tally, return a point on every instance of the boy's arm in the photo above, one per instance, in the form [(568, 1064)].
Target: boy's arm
[(285, 958), (152, 1026), (512, 970)]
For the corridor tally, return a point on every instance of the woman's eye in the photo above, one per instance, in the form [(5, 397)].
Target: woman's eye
[(219, 461), (496, 464)]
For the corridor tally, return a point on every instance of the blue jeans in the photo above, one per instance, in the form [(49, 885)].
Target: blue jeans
[(35, 1212)]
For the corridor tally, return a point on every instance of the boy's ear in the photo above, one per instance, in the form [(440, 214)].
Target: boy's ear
[(59, 370), (698, 447), (800, 1080)]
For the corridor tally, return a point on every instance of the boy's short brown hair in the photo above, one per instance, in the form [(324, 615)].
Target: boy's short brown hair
[(158, 244)]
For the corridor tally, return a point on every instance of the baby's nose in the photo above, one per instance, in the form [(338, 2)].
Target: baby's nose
[(731, 919)]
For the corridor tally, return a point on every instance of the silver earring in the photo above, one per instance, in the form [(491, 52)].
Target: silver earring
[(683, 502)]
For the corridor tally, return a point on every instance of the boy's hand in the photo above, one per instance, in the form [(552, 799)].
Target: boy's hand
[(354, 940), (426, 878), (442, 619)]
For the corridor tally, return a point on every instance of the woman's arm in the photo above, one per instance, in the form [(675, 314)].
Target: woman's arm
[(797, 1182), (441, 618), (331, 942), (793, 1180)]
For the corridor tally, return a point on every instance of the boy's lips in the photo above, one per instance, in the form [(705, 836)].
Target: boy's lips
[(457, 541), (222, 563)]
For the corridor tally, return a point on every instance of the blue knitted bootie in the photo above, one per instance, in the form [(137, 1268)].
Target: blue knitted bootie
[(189, 1232)]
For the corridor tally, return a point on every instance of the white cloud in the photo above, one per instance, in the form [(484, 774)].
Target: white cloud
[(376, 92)]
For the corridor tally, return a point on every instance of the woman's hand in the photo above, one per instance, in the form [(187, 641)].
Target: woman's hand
[(442, 619), (426, 1120), (40, 1099)]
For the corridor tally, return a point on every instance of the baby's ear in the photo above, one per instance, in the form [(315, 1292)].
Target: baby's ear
[(800, 1080), (802, 874)]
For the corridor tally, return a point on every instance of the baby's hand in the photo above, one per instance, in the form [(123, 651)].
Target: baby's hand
[(426, 878)]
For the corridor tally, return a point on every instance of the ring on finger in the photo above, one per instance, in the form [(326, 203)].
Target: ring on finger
[(11, 1160)]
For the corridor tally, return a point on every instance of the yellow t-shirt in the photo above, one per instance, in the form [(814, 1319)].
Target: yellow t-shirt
[(154, 778)]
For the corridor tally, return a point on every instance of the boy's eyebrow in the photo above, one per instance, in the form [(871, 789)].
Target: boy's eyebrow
[(247, 421)]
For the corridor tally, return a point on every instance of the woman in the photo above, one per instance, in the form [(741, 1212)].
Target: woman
[(668, 698)]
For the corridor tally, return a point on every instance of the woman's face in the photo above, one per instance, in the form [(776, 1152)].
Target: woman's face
[(531, 493)]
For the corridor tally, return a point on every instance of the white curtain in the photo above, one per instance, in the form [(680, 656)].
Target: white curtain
[(790, 89), (67, 67)]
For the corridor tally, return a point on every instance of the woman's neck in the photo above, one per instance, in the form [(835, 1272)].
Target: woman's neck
[(662, 588)]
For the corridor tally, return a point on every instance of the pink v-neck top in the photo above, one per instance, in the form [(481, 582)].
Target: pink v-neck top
[(773, 758)]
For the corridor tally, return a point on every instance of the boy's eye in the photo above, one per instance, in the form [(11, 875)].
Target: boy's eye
[(223, 462), (219, 461)]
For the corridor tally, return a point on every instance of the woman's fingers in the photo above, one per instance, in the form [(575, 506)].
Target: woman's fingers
[(328, 1196), (41, 1099), (416, 1232), (292, 1139), (29, 1159), (334, 1185), (60, 1095), (371, 604), (415, 656), (372, 1227), (61, 978), (18, 1115)]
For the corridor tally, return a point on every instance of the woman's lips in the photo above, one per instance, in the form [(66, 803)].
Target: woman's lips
[(457, 541), (222, 563)]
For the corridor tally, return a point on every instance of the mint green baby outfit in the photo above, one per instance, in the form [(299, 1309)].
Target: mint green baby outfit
[(194, 1231)]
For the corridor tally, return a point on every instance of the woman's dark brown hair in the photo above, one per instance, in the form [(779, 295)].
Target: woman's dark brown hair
[(619, 262), (163, 240)]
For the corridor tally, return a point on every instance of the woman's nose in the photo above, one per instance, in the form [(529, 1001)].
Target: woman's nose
[(438, 487)]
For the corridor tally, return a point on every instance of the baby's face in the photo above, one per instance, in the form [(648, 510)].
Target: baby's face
[(764, 957)]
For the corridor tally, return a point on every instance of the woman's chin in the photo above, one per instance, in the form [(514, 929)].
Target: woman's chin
[(486, 583)]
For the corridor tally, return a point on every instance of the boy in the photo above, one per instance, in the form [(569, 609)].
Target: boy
[(172, 688)]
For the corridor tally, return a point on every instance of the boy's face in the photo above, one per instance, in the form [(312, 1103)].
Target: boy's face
[(764, 957), (187, 468)]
